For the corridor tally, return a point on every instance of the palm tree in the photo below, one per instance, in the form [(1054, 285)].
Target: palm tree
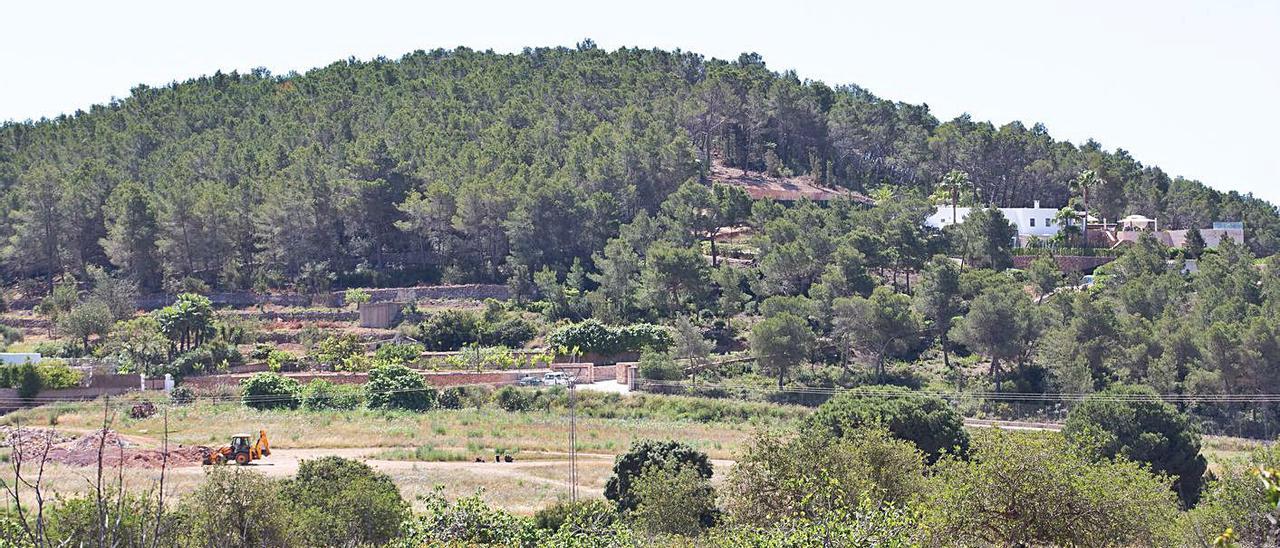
[(1066, 218), (1082, 183), (953, 182)]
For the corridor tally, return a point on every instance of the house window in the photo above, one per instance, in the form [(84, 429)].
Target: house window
[(1048, 221), (1033, 222)]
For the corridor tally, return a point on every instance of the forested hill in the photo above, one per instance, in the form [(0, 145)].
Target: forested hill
[(479, 164)]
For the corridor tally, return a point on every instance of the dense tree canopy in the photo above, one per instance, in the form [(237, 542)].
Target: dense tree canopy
[(469, 165)]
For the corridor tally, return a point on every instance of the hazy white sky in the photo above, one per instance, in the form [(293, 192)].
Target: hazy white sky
[(1190, 86)]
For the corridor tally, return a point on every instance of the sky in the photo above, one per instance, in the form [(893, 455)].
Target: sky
[(1192, 87)]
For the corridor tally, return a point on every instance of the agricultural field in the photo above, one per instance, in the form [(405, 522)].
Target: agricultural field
[(419, 450)]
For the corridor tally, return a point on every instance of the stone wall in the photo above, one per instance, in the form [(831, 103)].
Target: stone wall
[(477, 292), (24, 323), (246, 299), (434, 378)]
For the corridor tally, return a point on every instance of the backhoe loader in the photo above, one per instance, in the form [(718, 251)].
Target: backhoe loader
[(240, 450)]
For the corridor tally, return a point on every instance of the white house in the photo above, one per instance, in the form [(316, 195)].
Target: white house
[(1031, 221)]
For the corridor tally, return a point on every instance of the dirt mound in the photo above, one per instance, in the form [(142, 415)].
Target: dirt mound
[(29, 443), (116, 451)]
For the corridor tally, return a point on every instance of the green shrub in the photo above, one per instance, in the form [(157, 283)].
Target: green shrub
[(646, 454), (555, 516), (673, 499), (55, 374), (510, 398), (8, 336), (343, 502), (356, 296), (451, 398), (74, 521), (392, 386), (927, 421), (182, 395), (281, 361), (337, 352), (658, 366), (591, 336), (321, 394), (1132, 422), (58, 349), (235, 507), (29, 378), (512, 332), (28, 381), (467, 522), (401, 354), (269, 391), (261, 351), (449, 330)]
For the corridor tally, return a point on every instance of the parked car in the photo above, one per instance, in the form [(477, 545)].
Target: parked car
[(529, 380), (558, 378)]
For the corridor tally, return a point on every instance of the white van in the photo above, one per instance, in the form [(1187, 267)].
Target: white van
[(557, 378)]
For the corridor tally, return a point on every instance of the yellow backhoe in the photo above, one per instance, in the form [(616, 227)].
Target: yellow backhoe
[(240, 450)]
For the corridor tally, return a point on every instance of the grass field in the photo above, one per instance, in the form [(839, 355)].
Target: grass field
[(420, 451), (424, 452)]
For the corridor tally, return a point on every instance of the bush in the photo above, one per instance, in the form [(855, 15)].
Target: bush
[(182, 395), (401, 354), (645, 454), (74, 521), (467, 522), (356, 296), (261, 351), (269, 391), (927, 421), (449, 330), (8, 336), (57, 349), (342, 502), (804, 476), (591, 336), (512, 332), (1132, 422), (55, 374), (658, 366), (673, 499), (393, 386), (1235, 500), (281, 361), (337, 353), (553, 517), (321, 394), (28, 381), (1062, 497), (208, 357), (450, 398), (234, 507), (515, 400)]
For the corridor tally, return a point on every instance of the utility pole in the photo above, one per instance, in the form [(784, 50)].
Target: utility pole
[(573, 442)]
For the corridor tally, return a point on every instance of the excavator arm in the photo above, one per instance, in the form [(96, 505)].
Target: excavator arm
[(262, 447)]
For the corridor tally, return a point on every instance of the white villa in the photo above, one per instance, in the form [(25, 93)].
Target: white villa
[(1031, 221)]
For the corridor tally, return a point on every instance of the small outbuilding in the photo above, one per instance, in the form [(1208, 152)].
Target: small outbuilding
[(380, 315)]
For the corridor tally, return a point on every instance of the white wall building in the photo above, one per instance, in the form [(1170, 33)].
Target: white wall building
[(1031, 221)]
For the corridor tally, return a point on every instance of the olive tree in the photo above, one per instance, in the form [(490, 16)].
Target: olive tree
[(1033, 489)]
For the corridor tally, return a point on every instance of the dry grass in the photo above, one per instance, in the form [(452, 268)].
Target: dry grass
[(478, 430), (447, 439)]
